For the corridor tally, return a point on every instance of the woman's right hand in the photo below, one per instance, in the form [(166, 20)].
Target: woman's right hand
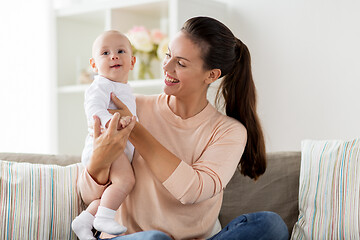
[(108, 145), (121, 107)]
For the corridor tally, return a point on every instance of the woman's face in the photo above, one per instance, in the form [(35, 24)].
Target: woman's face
[(183, 68)]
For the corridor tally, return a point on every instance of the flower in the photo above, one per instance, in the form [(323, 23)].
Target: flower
[(147, 45), (162, 48), (140, 38), (157, 36), (145, 41)]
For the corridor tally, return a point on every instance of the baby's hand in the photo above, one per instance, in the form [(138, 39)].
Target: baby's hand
[(123, 122)]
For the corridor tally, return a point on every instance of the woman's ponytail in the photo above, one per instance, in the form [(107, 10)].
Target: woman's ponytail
[(222, 50), (239, 92)]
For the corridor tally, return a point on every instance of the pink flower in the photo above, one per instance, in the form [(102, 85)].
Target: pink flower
[(152, 42), (140, 38), (157, 36)]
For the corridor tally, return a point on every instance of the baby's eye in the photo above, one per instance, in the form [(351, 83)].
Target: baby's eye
[(167, 55), (121, 51), (105, 53)]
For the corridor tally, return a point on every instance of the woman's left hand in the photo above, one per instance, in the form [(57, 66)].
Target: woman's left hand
[(121, 108), (108, 145)]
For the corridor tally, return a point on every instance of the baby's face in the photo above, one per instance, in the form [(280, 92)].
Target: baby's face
[(112, 57)]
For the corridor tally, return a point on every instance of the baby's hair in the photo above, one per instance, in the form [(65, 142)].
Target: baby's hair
[(112, 31)]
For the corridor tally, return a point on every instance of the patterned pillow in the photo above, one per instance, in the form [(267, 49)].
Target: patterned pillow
[(329, 190), (38, 201)]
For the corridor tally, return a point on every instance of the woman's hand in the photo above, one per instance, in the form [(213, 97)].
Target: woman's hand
[(162, 162), (123, 122), (108, 146), (121, 108)]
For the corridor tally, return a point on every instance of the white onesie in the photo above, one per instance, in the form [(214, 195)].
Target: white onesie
[(97, 101)]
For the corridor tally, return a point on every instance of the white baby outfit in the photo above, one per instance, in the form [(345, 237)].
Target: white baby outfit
[(97, 101)]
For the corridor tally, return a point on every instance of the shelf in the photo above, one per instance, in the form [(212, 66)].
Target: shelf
[(79, 22), (80, 88), (141, 6)]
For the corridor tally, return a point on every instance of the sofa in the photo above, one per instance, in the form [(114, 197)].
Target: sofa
[(276, 190)]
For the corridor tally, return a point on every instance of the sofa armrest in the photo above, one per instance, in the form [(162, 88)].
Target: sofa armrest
[(277, 190), (62, 160)]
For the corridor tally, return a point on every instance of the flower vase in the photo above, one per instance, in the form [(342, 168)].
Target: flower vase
[(143, 67)]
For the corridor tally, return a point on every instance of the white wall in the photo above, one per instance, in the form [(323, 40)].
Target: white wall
[(27, 99), (306, 60), (306, 64)]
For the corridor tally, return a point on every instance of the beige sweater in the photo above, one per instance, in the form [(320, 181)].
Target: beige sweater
[(187, 204)]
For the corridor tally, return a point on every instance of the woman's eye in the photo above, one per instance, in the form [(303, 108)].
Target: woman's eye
[(180, 64), (121, 51), (167, 55)]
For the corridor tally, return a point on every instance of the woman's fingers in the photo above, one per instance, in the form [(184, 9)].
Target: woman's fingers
[(97, 128), (113, 125), (116, 123), (113, 111), (121, 107), (117, 101)]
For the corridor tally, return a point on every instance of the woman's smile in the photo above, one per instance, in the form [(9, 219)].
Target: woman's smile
[(170, 81)]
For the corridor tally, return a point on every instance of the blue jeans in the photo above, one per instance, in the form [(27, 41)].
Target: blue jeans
[(259, 226), (252, 226), (146, 235)]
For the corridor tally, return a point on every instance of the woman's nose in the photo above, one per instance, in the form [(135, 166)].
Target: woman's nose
[(167, 66)]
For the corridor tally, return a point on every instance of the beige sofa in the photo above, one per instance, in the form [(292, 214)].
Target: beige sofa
[(276, 190)]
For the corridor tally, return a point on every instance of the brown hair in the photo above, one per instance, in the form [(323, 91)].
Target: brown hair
[(222, 50)]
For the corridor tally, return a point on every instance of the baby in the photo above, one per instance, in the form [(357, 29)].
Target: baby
[(112, 59)]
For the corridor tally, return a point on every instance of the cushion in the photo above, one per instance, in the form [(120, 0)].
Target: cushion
[(38, 201), (329, 190)]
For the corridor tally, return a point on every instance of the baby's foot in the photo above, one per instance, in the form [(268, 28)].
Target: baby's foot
[(105, 221), (82, 226), (108, 225)]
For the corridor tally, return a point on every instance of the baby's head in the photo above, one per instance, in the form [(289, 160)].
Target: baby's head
[(112, 56)]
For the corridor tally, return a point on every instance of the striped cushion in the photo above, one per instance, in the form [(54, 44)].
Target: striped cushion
[(329, 190), (38, 201)]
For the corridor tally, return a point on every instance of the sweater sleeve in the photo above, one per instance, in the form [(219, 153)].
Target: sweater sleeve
[(209, 174), (97, 99), (88, 188)]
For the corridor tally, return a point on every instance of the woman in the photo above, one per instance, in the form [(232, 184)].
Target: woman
[(186, 151)]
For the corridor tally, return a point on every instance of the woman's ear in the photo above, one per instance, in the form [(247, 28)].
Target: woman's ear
[(214, 74), (93, 65)]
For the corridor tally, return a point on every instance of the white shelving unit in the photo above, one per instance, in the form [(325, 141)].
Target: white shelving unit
[(79, 23)]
